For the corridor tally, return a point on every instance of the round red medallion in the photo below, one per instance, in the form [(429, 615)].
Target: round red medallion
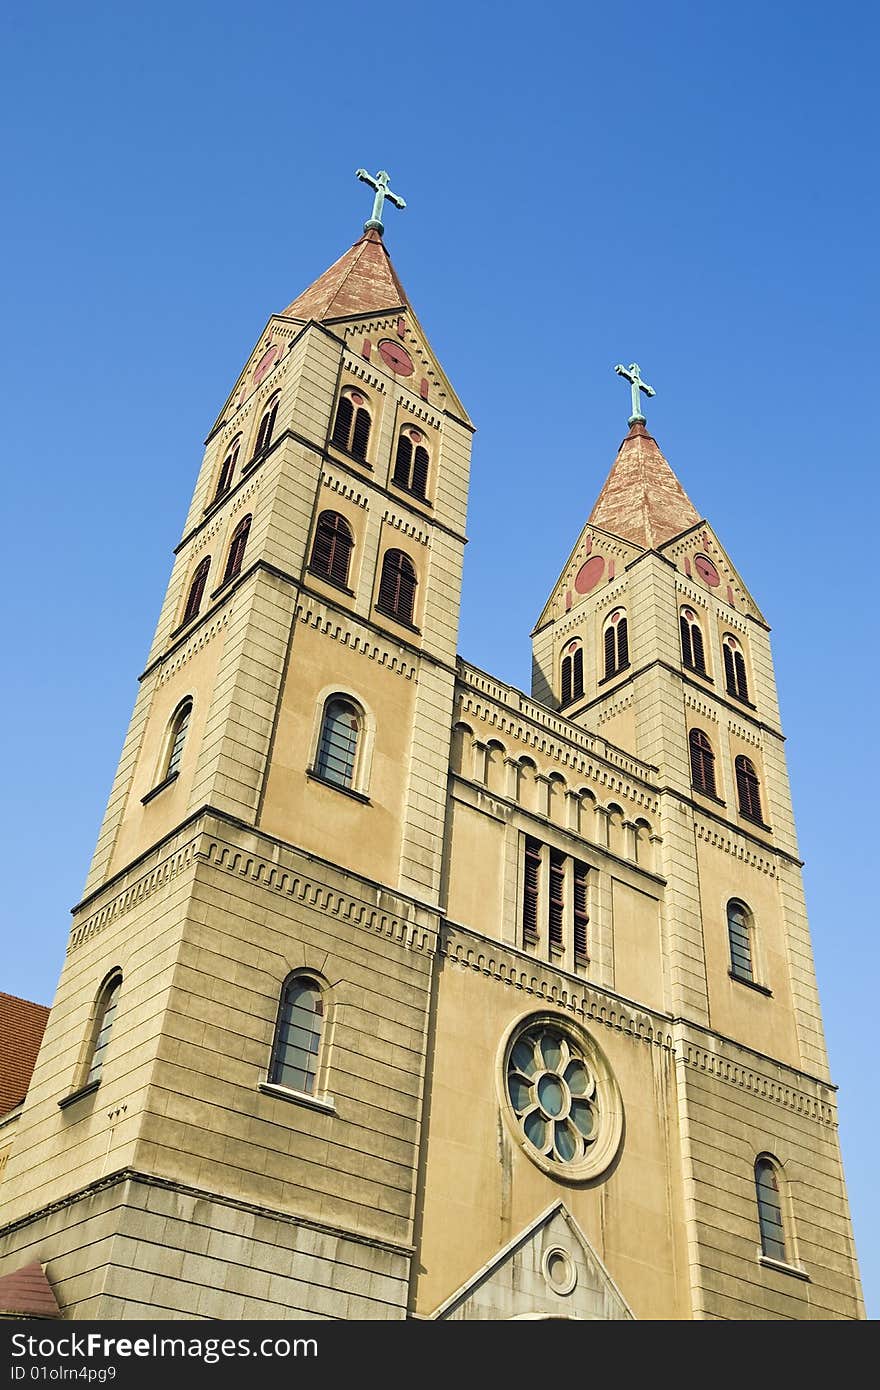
[(706, 570), (589, 574), (396, 357)]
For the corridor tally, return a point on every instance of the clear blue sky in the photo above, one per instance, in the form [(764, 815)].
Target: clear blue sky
[(690, 186)]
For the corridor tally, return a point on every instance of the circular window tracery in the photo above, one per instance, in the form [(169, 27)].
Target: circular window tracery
[(560, 1096)]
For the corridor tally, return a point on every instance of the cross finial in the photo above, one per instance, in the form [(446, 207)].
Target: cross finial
[(632, 373), (380, 184)]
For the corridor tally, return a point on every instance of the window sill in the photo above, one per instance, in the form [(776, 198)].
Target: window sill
[(754, 820), (782, 1268), (695, 671), (326, 579), (619, 672), (347, 454), (314, 776), (410, 492), (411, 627), (78, 1095), (740, 699), (750, 984), (255, 461), (166, 782), (225, 585), (216, 500), (710, 796), (326, 1104)]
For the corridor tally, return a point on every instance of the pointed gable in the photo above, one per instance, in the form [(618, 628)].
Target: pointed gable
[(27, 1293), (363, 281), (642, 500)]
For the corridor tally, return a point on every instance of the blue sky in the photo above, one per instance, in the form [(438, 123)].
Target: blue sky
[(689, 186)]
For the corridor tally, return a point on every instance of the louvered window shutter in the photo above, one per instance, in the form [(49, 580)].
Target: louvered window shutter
[(342, 424), (729, 673), (566, 680), (742, 687), (196, 590), (687, 655), (403, 461), (420, 471), (577, 683), (360, 436), (609, 651), (531, 883), (699, 662), (622, 644), (556, 917), (581, 920)]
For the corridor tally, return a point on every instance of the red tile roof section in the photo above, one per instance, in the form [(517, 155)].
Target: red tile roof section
[(642, 500), (22, 1025), (363, 281), (28, 1293)]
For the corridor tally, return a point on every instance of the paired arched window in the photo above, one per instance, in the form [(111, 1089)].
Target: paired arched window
[(572, 676), (768, 1189), (227, 468), (331, 548), (739, 933), (692, 650), (748, 789), (196, 591), (616, 643), (176, 738), (267, 425), (297, 1045), (702, 762), (351, 428), (105, 1013), (734, 667), (397, 586), (336, 759), (411, 461), (236, 549)]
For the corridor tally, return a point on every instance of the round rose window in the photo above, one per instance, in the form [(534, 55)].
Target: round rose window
[(560, 1097)]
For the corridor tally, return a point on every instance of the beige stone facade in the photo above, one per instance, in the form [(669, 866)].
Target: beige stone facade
[(543, 1071)]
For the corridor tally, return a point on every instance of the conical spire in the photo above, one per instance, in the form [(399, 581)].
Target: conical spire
[(642, 500), (363, 281)]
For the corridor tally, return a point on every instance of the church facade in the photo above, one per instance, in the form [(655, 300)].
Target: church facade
[(394, 991)]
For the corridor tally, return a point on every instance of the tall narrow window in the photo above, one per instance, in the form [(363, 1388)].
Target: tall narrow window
[(572, 681), (224, 482), (297, 1046), (581, 919), (236, 549), (556, 914), (616, 643), (267, 426), (351, 428), (411, 461), (531, 889), (331, 549), (734, 668), (338, 743), (770, 1209), (397, 586), (692, 651), (739, 932), (177, 738), (196, 591), (748, 789), (702, 762), (105, 1013)]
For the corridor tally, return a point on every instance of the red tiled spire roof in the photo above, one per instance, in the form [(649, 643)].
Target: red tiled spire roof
[(22, 1025), (363, 281), (26, 1292), (642, 500)]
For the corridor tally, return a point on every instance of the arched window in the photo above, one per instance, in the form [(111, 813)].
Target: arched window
[(702, 762), (397, 586), (267, 425), (351, 428), (338, 742), (734, 668), (572, 683), (331, 548), (692, 651), (176, 738), (616, 643), (748, 789), (105, 1013), (196, 591), (739, 932), (236, 549), (224, 482), (297, 1045), (770, 1221), (411, 461)]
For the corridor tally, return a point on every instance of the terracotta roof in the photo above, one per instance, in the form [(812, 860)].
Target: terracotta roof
[(642, 500), (22, 1025), (363, 281), (27, 1292)]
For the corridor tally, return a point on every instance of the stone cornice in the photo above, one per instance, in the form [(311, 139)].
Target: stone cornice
[(748, 1076)]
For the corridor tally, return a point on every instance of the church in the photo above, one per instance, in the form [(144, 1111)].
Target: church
[(396, 992)]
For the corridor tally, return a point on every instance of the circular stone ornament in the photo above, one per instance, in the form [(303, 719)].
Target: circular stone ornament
[(559, 1270), (559, 1096)]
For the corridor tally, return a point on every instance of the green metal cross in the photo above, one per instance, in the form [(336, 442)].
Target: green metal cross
[(380, 183), (632, 373)]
